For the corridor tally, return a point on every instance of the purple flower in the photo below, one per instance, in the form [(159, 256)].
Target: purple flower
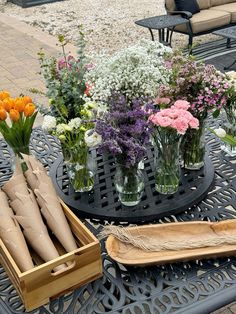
[(125, 129)]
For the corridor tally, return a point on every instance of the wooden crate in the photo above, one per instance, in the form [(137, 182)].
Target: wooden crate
[(40, 285)]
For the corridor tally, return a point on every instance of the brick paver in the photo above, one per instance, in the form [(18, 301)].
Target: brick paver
[(19, 66)]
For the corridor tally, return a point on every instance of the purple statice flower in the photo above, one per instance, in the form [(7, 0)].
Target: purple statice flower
[(125, 130)]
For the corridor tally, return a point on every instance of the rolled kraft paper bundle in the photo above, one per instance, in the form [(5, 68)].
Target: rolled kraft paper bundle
[(12, 236), (28, 215), (48, 201)]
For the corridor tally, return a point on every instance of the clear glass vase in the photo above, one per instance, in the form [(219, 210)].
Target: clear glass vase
[(129, 183), (193, 147), (230, 129), (166, 162), (81, 167)]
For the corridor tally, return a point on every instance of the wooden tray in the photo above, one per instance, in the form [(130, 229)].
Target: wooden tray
[(40, 284), (129, 255)]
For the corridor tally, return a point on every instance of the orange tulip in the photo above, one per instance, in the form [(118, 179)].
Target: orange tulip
[(14, 115), (8, 104), (29, 109), (27, 100), (3, 114), (4, 94), (19, 104)]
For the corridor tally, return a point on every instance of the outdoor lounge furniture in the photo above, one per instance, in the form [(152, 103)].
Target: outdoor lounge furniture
[(229, 33), (213, 15), (165, 24), (30, 3)]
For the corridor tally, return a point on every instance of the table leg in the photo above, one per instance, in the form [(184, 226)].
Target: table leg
[(152, 36), (229, 66)]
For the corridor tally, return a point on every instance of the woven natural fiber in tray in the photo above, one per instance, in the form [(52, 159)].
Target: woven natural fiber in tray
[(202, 232)]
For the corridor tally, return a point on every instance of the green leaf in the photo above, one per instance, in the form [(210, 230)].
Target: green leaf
[(216, 113)]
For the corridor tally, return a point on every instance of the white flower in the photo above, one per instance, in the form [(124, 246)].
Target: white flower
[(220, 133), (79, 167), (74, 123), (49, 123), (92, 138), (61, 128), (134, 71)]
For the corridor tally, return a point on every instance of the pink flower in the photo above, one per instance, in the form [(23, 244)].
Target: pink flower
[(194, 123), (181, 125), (181, 104), (62, 63), (158, 120), (162, 101)]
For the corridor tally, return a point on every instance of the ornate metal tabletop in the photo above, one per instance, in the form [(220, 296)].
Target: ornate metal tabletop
[(160, 23), (191, 287)]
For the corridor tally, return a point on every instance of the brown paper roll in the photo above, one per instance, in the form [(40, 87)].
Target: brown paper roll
[(13, 239), (42, 244), (5, 210), (47, 198), (56, 220)]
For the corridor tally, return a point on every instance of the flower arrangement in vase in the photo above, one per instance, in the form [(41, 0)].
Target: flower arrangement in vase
[(71, 118), (206, 89), (169, 126), (135, 72), (17, 116), (125, 132)]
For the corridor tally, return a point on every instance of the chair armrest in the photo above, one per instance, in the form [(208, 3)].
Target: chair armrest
[(185, 14)]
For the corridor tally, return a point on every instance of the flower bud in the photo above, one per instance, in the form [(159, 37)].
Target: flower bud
[(8, 104), (3, 114), (14, 115), (29, 109), (220, 133), (62, 137), (4, 95), (27, 100), (19, 104)]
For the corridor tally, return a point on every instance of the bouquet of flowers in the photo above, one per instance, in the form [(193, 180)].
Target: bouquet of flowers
[(203, 86), (206, 89), (125, 133), (124, 130), (17, 116), (135, 72), (168, 127), (70, 117)]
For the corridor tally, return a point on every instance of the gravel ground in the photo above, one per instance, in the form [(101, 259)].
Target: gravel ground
[(108, 24)]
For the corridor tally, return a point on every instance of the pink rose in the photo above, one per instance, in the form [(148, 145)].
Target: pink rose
[(181, 104)]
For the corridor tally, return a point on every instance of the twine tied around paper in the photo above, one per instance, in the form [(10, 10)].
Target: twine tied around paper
[(154, 245)]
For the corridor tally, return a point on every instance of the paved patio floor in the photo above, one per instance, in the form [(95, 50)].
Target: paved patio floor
[(19, 68)]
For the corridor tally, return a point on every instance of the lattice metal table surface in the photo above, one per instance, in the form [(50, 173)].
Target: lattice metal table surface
[(191, 287), (103, 201)]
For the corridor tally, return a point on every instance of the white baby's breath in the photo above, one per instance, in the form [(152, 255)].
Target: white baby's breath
[(49, 123), (135, 71)]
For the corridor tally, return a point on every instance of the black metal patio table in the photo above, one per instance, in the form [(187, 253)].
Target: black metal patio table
[(229, 33), (190, 287), (165, 25)]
